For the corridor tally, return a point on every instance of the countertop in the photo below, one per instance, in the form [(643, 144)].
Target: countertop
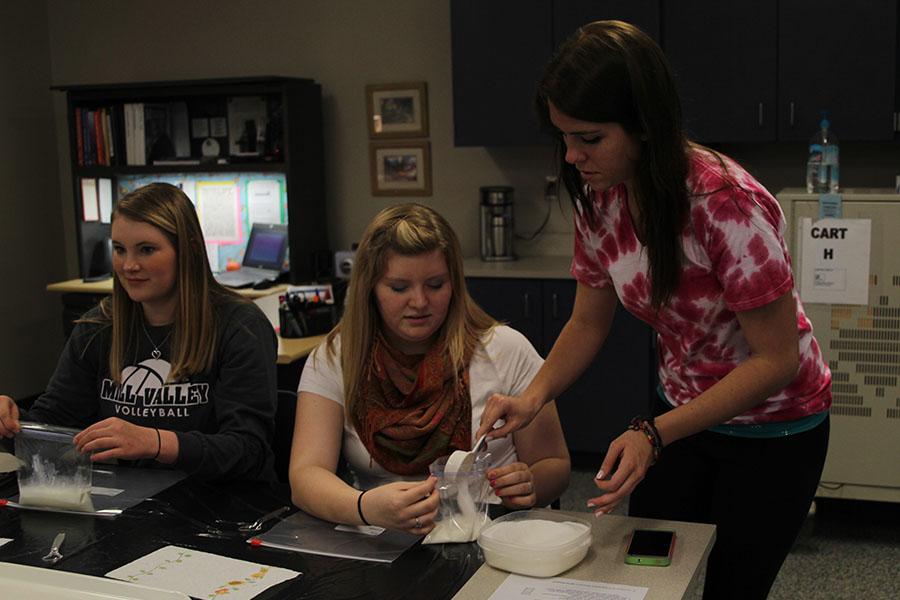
[(605, 560), (526, 267)]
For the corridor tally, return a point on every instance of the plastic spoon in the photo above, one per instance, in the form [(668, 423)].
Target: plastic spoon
[(53, 556), (462, 460), (257, 524)]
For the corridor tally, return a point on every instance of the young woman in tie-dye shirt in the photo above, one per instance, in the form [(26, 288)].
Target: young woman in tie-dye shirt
[(689, 242)]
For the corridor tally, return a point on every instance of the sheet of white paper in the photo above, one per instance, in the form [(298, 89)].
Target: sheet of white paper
[(5, 541), (264, 201), (90, 211), (212, 254), (834, 260), (218, 127), (200, 574), (199, 128), (515, 587), (217, 204), (363, 529), (104, 196), (105, 491), (189, 187)]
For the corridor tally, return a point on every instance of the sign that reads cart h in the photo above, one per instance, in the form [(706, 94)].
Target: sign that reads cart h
[(834, 260)]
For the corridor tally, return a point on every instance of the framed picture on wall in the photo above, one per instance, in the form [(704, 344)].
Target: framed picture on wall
[(397, 110), (401, 168)]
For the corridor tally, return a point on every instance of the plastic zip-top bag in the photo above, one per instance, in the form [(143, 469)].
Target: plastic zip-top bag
[(55, 474), (463, 509)]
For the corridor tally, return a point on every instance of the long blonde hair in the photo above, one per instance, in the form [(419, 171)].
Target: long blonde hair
[(194, 336), (410, 230)]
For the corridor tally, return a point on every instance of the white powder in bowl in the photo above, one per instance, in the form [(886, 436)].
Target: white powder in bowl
[(535, 532)]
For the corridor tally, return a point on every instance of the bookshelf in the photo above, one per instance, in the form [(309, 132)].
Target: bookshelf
[(221, 140)]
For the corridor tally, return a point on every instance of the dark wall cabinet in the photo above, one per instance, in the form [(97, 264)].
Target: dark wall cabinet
[(763, 71), (617, 386), (500, 48), (746, 71)]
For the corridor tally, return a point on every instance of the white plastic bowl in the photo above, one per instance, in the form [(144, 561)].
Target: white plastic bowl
[(531, 556)]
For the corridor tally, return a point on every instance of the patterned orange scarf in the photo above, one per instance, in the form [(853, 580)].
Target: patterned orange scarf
[(412, 409)]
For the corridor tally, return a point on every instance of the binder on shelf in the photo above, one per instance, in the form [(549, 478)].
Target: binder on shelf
[(90, 208)]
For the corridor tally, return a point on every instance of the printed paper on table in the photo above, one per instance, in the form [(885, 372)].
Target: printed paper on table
[(201, 575)]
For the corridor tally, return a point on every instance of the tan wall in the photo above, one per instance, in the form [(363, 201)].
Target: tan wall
[(31, 247), (344, 45)]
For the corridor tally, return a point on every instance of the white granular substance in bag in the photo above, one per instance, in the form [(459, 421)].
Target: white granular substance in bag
[(535, 532), (65, 497), (464, 526)]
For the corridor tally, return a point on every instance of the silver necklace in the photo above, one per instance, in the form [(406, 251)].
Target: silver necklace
[(155, 353)]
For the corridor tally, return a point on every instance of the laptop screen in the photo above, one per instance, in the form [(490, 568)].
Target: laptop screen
[(266, 247)]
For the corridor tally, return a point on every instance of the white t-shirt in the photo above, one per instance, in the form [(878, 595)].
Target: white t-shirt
[(505, 362)]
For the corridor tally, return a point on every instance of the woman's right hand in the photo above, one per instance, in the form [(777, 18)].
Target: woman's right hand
[(9, 417), (517, 411), (403, 505)]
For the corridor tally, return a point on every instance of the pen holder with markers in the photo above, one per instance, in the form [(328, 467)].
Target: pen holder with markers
[(304, 311)]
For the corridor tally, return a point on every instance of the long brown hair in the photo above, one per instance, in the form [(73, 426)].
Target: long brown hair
[(610, 71), (410, 230), (194, 336)]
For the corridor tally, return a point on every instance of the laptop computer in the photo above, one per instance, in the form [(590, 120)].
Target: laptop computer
[(263, 258)]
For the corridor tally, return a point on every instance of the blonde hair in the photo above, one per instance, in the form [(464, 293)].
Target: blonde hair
[(168, 209), (410, 230)]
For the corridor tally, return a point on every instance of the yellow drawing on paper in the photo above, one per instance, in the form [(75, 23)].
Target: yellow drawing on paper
[(235, 584)]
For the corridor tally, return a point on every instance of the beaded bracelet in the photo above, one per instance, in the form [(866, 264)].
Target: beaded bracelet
[(646, 426), (359, 507)]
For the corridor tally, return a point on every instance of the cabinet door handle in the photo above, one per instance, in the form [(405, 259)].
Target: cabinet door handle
[(554, 306), (527, 299), (792, 114), (760, 115)]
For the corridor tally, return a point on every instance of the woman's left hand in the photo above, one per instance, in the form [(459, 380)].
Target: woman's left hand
[(634, 453), (116, 438), (514, 485)]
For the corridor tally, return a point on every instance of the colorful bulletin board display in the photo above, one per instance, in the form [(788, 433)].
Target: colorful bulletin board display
[(227, 204)]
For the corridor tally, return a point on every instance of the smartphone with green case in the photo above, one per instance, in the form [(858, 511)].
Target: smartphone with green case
[(652, 547)]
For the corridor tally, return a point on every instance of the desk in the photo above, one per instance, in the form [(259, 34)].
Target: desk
[(185, 515), (605, 560), (77, 286), (290, 350)]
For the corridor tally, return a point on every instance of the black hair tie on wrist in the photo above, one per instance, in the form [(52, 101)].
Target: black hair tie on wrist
[(359, 506), (158, 443)]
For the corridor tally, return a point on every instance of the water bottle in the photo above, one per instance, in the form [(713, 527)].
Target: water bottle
[(823, 164)]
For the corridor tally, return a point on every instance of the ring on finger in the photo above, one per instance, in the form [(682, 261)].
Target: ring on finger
[(418, 523)]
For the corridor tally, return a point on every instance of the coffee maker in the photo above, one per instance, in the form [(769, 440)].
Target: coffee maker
[(497, 223)]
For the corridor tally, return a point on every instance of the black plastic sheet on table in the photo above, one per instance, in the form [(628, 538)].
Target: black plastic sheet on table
[(204, 516), (118, 488)]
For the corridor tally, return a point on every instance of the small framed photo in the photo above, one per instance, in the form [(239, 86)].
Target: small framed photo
[(401, 168), (397, 110)]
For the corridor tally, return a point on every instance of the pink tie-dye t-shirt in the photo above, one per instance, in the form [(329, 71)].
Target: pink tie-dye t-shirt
[(734, 260)]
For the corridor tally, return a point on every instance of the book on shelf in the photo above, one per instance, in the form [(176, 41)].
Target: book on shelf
[(97, 142), (79, 138)]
